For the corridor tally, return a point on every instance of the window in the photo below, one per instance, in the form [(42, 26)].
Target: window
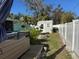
[(48, 25), (41, 27)]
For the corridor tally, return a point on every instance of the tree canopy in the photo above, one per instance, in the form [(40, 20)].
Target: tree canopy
[(46, 12), (67, 17), (42, 11)]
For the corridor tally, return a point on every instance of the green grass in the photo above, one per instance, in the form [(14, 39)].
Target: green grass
[(55, 43)]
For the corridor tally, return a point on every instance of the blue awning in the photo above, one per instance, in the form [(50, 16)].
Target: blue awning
[(5, 7)]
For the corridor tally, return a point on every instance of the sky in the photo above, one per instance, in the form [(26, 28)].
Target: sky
[(67, 5)]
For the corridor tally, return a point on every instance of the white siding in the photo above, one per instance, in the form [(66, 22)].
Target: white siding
[(47, 26)]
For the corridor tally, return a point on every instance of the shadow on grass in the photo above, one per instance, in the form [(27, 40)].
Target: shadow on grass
[(53, 56)]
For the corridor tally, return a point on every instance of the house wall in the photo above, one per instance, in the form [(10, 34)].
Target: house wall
[(47, 26), (17, 26)]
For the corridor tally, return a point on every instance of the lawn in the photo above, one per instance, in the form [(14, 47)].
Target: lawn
[(57, 48)]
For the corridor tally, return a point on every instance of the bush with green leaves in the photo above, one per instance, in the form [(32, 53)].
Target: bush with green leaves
[(33, 35)]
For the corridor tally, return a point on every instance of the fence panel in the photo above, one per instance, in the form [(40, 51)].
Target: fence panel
[(69, 35), (76, 41), (60, 29), (64, 31)]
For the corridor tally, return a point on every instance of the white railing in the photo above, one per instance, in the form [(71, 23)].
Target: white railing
[(70, 35)]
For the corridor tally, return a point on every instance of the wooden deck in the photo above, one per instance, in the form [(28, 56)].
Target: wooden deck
[(12, 49)]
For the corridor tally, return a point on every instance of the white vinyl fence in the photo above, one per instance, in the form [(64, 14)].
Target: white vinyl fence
[(70, 34)]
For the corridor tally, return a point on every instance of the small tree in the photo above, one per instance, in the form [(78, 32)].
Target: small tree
[(41, 10), (67, 17), (57, 12)]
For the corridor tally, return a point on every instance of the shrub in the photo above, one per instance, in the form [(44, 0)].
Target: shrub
[(55, 29), (33, 35)]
